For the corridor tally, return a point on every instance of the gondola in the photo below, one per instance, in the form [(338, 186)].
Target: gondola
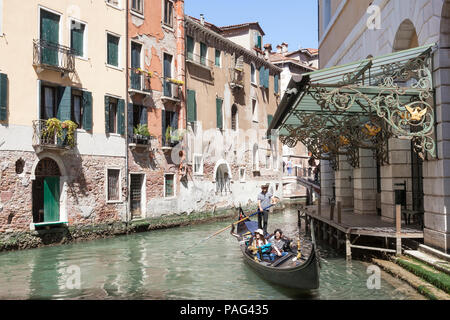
[(288, 272)]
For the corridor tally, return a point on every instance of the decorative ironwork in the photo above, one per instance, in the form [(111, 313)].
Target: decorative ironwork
[(140, 80), (341, 118), (43, 138), (53, 56)]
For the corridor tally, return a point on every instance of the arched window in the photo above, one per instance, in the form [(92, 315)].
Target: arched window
[(253, 73)]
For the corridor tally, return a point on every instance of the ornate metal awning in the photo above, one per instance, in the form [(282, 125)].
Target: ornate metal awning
[(339, 110)]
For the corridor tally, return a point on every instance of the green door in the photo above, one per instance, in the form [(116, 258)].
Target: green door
[(51, 199), (50, 36)]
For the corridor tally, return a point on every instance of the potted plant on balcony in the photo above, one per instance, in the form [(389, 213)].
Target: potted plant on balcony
[(52, 130), (70, 128), (141, 134)]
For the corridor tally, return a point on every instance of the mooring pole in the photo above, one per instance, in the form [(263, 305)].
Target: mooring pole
[(398, 221), (339, 212)]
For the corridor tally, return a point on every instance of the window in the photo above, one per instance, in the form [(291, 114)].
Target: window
[(113, 2), (169, 128), (218, 56), (138, 6), (135, 77), (48, 102), (326, 13), (268, 162), (219, 113), (254, 111), (234, 116), (77, 108), (167, 74), (242, 174), (168, 13), (191, 106), (49, 34), (77, 38), (113, 179), (113, 50), (203, 53), (140, 116), (190, 44), (111, 106), (276, 83), (253, 73), (169, 185), (198, 164)]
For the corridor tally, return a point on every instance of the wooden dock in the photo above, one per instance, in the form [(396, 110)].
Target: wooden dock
[(343, 227)]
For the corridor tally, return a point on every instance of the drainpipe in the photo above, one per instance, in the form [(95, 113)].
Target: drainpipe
[(127, 77)]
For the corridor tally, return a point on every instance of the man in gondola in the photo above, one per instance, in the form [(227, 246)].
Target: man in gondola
[(265, 199)]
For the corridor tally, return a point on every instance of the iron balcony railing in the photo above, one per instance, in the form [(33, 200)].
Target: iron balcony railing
[(200, 60), (139, 80), (53, 56), (171, 90), (44, 137)]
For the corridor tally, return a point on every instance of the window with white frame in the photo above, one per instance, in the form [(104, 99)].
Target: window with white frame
[(114, 3), (137, 6), (113, 56), (78, 38), (242, 174), (113, 184), (198, 164), (168, 13), (169, 185), (253, 73), (254, 110)]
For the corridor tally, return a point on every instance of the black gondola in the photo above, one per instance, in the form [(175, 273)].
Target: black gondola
[(289, 272)]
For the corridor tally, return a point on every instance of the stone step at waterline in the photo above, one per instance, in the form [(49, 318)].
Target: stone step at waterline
[(432, 261), (431, 251)]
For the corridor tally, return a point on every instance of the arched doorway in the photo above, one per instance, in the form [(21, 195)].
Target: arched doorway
[(46, 190), (223, 178), (406, 38)]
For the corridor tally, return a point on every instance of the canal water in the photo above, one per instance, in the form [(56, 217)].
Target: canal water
[(153, 266)]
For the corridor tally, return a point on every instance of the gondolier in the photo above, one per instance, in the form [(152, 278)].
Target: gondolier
[(265, 199)]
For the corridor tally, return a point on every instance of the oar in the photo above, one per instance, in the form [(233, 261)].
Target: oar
[(220, 231)]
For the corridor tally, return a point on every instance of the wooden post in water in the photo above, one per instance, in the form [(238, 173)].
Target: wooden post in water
[(348, 248), (332, 212), (319, 207), (398, 227), (339, 212)]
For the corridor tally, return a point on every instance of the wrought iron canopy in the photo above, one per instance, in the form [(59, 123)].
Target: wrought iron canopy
[(339, 110)]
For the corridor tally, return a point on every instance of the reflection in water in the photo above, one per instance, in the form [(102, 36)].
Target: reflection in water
[(153, 266)]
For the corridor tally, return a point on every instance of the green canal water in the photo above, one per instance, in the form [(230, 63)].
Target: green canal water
[(153, 266)]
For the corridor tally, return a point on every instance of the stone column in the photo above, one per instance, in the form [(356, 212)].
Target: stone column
[(365, 184), (397, 172), (437, 172), (327, 181), (344, 183)]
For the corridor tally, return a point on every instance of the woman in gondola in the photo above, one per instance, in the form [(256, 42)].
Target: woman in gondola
[(262, 247)]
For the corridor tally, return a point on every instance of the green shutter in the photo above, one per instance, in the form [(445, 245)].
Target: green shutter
[(219, 103), (106, 114), (113, 50), (65, 103), (3, 96), (121, 117), (190, 48), (259, 42), (269, 119), (261, 76), (77, 38), (276, 83), (191, 106), (266, 78), (203, 53), (87, 110), (49, 34)]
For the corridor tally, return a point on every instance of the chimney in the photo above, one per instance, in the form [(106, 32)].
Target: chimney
[(267, 50), (202, 19), (279, 48), (284, 48)]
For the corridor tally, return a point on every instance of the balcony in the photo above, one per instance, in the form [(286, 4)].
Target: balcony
[(52, 56), (139, 81), (236, 78), (143, 143), (172, 90), (47, 137), (200, 61)]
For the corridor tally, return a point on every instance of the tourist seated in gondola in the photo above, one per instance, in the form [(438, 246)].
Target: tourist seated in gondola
[(279, 243), (261, 246)]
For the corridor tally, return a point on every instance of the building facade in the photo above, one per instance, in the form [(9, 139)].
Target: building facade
[(62, 131), (156, 106), (354, 30), (232, 94)]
